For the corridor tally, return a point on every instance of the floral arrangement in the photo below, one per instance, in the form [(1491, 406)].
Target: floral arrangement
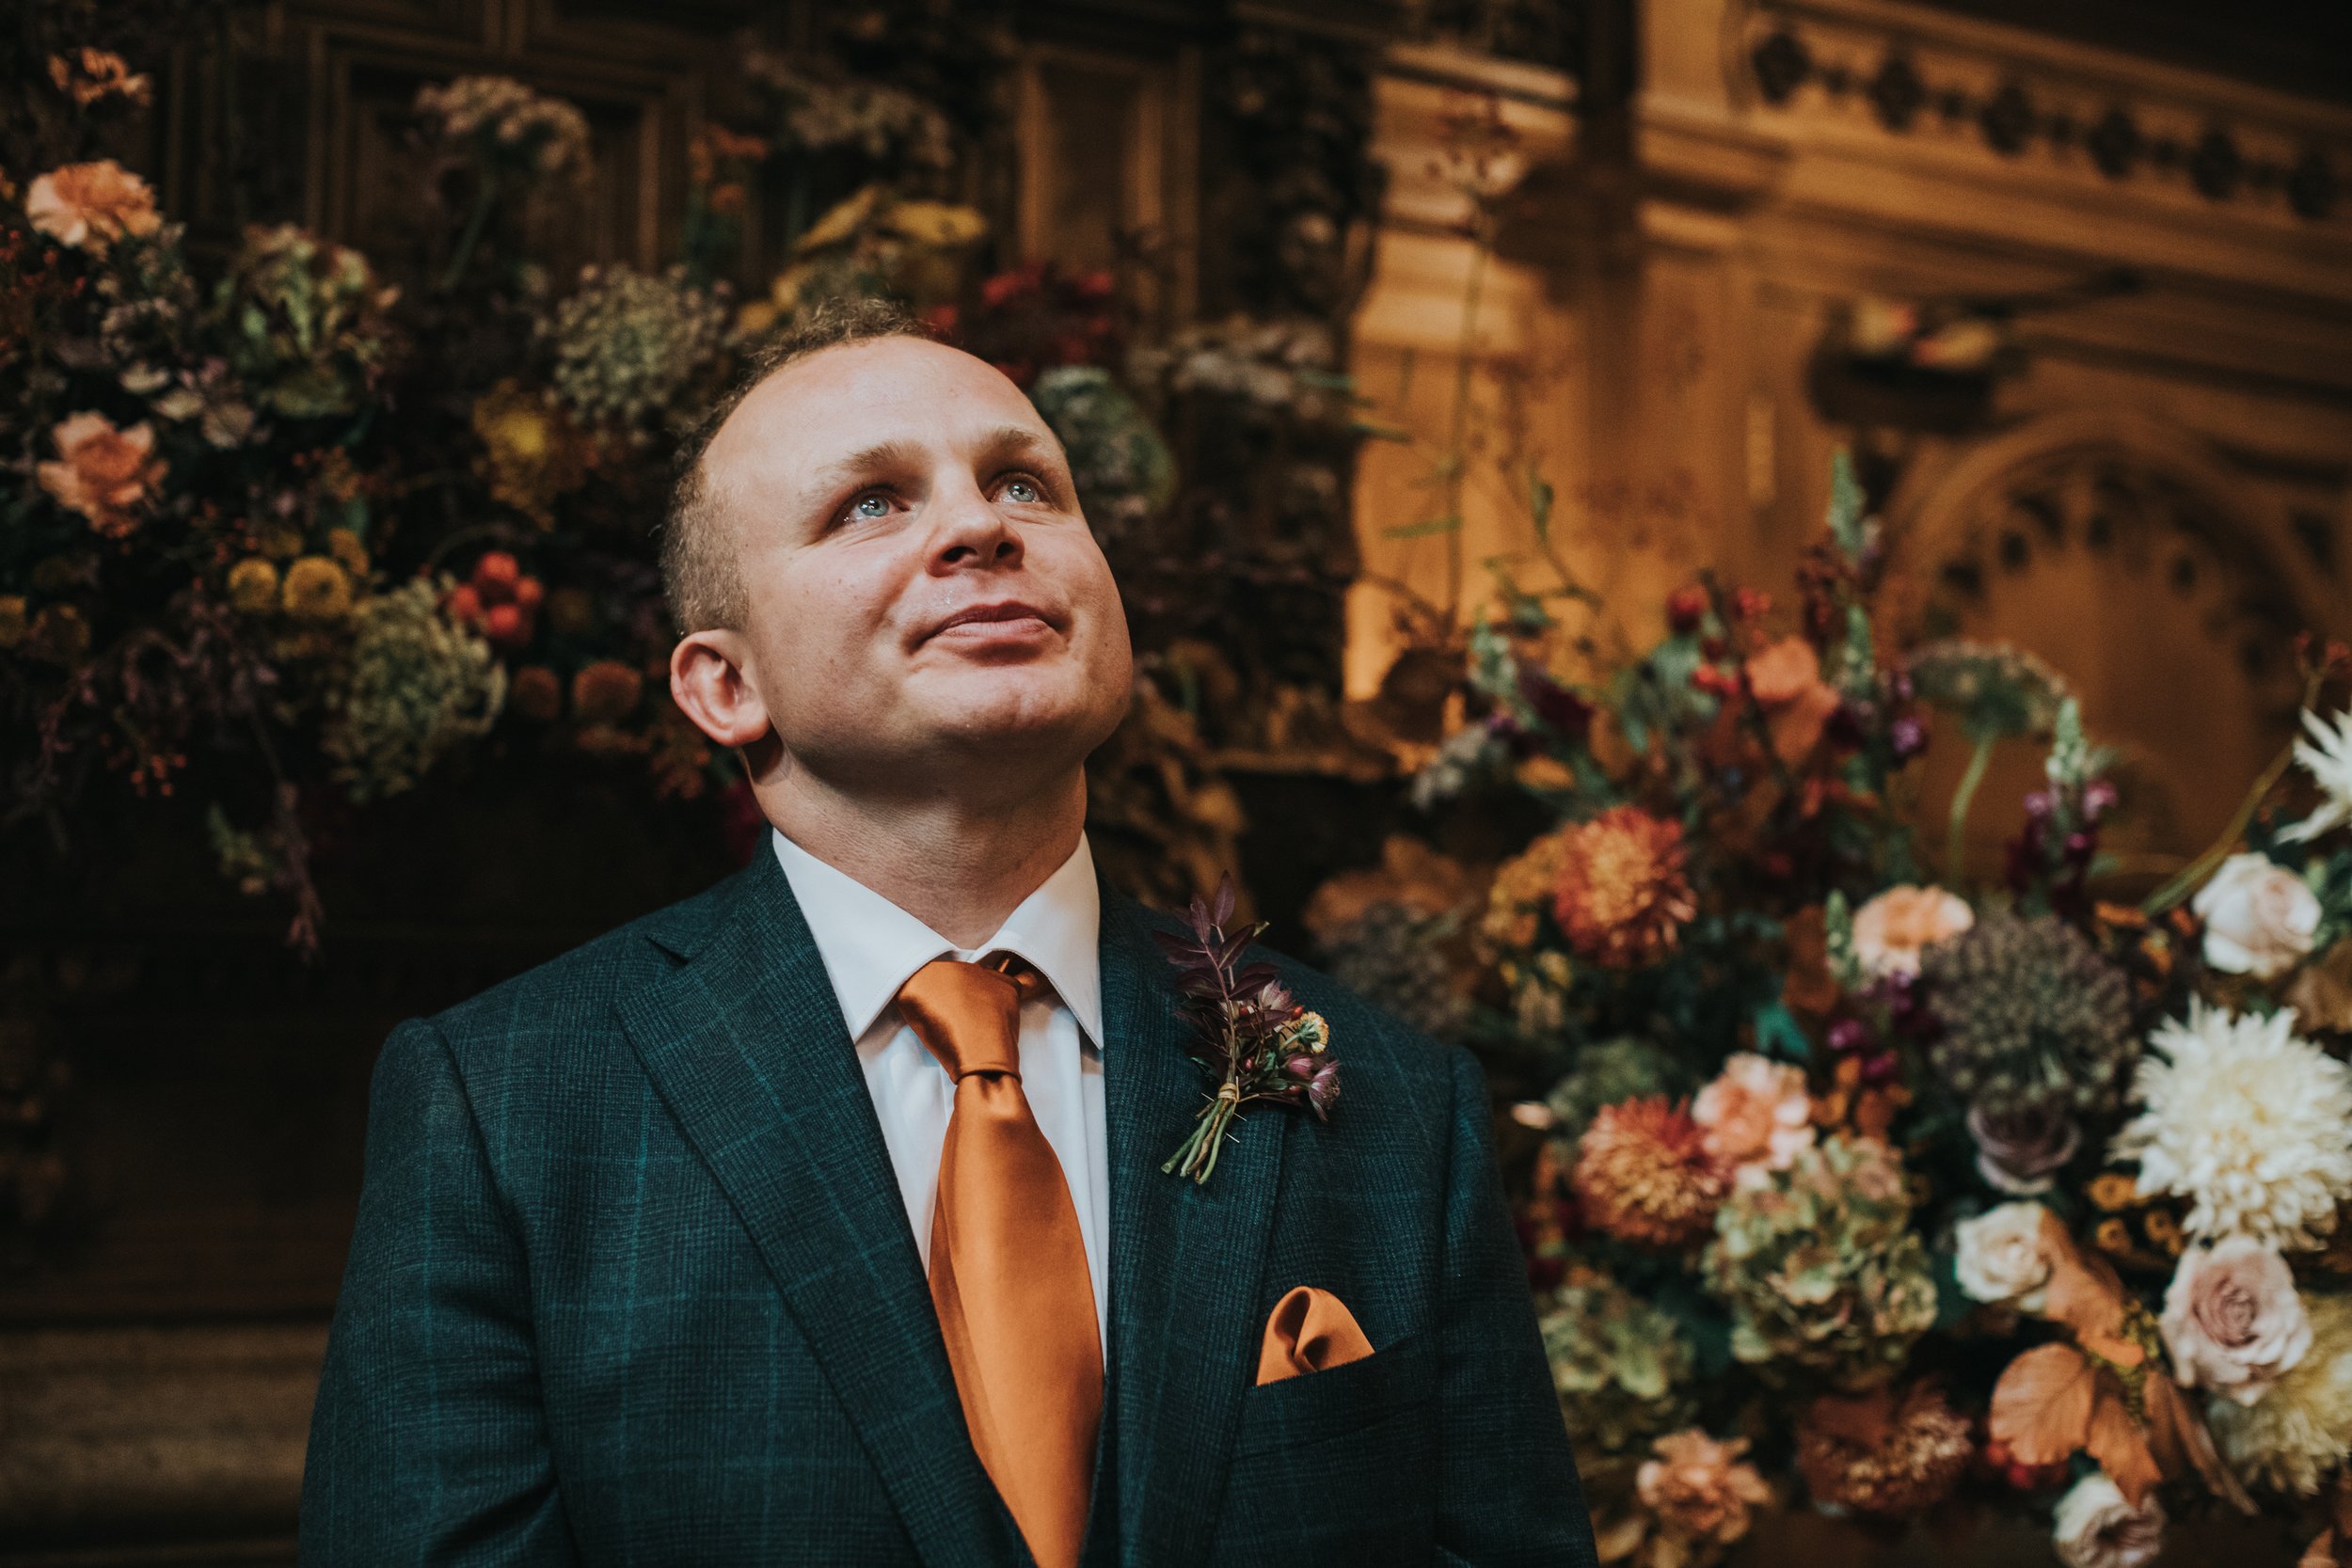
[(302, 529), (1845, 1183)]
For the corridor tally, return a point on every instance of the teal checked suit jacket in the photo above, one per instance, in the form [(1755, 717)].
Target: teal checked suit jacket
[(632, 1283)]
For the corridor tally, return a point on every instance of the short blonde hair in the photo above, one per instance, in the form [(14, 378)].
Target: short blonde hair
[(702, 573)]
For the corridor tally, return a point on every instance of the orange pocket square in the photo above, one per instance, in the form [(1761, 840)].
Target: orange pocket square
[(1309, 1332)]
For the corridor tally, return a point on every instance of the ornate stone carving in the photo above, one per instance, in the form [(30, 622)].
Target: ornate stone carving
[(2231, 144)]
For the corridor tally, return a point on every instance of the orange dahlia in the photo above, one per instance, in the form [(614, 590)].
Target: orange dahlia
[(1621, 895), (1643, 1174)]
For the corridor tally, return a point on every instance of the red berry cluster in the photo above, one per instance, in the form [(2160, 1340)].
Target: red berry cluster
[(2026, 1478), (499, 601)]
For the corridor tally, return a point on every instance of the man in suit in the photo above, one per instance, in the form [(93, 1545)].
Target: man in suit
[(820, 1218)]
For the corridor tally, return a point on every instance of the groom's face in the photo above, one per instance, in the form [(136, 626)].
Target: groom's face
[(923, 591)]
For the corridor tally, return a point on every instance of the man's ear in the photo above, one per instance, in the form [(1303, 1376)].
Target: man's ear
[(707, 681)]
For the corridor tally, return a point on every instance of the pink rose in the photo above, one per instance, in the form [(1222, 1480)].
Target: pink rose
[(2232, 1319)]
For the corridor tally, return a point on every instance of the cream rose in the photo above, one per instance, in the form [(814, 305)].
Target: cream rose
[(2232, 1319), (2000, 1258), (2260, 918), (2096, 1528), (1891, 930)]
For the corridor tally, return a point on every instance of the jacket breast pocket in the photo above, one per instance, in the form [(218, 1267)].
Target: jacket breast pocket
[(1313, 1407)]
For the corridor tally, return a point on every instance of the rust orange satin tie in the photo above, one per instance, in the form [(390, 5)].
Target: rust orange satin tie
[(1008, 1264)]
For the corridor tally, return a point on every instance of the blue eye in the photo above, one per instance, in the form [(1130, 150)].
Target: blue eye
[(1023, 491), (882, 504)]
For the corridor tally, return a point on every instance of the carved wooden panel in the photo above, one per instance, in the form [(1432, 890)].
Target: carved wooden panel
[(1107, 147), (365, 184)]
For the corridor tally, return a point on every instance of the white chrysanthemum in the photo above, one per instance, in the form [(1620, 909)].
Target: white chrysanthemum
[(2327, 757), (2249, 1122), (2298, 1432)]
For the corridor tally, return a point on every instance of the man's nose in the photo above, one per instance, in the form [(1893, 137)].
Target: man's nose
[(969, 530)]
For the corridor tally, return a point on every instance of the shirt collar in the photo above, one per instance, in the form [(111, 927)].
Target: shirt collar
[(870, 946)]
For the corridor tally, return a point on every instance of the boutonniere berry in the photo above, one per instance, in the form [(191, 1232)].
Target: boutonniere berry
[(1254, 1042)]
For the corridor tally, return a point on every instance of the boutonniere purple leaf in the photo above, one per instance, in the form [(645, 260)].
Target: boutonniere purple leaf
[(1254, 1042)]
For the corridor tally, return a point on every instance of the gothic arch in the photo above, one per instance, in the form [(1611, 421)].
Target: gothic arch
[(1934, 508), (2168, 591)]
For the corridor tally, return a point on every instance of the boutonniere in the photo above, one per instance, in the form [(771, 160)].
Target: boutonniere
[(1254, 1042)]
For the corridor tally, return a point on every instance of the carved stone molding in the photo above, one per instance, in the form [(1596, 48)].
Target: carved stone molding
[(2003, 96), (1941, 513), (2133, 557)]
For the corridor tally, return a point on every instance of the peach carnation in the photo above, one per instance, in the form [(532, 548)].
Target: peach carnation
[(1701, 1490), (90, 206), (1786, 680), (1757, 1114), (90, 74), (1621, 896), (102, 472), (1644, 1175), (1891, 930)]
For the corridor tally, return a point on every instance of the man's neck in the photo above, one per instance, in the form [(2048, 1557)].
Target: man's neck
[(958, 868)]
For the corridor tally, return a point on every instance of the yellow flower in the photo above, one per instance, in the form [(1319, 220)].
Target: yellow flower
[(2112, 1235), (938, 222), (756, 319), (2164, 1232), (317, 590), (253, 586), (349, 551), (2114, 1190), (531, 452), (12, 619), (1545, 771)]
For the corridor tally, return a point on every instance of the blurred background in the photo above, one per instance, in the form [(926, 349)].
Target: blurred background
[(330, 652)]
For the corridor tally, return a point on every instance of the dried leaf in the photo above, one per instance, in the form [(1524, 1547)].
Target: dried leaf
[(1620, 1539), (2041, 1405), (2120, 1448), (2333, 1549), (2177, 1431), (2084, 1293)]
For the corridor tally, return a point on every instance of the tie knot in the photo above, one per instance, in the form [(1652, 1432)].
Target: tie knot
[(969, 1014)]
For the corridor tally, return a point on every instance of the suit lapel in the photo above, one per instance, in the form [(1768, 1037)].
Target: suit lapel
[(745, 1044), (1185, 1261)]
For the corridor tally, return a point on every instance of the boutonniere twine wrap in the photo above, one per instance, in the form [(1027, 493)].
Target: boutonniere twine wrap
[(1253, 1040)]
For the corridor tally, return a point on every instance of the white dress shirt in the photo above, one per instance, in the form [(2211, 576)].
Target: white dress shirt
[(870, 947)]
